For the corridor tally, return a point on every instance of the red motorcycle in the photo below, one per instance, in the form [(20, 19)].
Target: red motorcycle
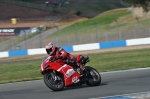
[(58, 75)]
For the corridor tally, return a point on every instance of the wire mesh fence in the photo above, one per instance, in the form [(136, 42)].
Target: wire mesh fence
[(94, 38), (15, 43)]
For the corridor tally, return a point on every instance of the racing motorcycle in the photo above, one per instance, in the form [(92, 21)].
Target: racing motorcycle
[(58, 75)]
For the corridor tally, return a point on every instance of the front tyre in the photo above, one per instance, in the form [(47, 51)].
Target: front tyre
[(94, 78), (53, 81)]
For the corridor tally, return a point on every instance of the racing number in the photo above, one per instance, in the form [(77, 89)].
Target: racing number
[(75, 79)]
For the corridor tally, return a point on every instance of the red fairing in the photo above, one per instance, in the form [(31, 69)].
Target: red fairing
[(79, 58), (70, 76), (47, 65)]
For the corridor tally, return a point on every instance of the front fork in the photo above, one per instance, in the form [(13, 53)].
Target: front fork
[(54, 76)]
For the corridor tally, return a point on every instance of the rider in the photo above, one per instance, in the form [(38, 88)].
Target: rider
[(59, 53)]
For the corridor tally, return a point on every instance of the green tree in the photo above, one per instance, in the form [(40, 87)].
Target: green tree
[(136, 1), (144, 3)]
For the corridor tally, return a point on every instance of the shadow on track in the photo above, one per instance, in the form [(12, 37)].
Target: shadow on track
[(79, 87)]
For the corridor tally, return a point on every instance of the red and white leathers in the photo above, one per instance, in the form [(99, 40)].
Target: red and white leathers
[(58, 52), (61, 55)]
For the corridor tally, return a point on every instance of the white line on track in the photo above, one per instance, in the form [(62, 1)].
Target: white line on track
[(119, 71), (132, 95)]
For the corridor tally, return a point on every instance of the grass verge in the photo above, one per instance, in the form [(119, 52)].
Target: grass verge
[(108, 61)]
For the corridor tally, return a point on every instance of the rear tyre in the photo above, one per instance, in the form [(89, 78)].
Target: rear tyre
[(94, 78), (53, 81)]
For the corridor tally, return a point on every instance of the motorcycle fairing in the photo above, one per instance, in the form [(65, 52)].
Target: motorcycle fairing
[(46, 65), (70, 75)]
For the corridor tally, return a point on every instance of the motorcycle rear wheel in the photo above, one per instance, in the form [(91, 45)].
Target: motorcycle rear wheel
[(55, 83), (94, 78)]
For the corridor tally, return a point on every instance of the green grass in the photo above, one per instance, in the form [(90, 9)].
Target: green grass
[(102, 22), (109, 61), (120, 60), (20, 71)]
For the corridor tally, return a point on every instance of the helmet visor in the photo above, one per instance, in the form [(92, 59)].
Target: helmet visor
[(49, 51)]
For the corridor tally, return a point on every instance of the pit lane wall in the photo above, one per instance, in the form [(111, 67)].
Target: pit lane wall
[(82, 47)]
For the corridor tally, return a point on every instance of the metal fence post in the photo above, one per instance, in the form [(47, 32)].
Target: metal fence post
[(25, 40), (138, 25), (57, 41), (10, 42), (81, 39), (76, 33), (2, 41), (58, 34), (120, 36), (117, 28), (106, 37), (92, 38), (68, 40), (134, 33), (149, 31), (40, 39), (96, 27), (40, 35)]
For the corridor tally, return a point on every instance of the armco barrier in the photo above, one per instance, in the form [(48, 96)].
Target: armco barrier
[(82, 47)]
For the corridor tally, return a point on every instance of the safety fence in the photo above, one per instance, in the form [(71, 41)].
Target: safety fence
[(39, 41), (100, 37)]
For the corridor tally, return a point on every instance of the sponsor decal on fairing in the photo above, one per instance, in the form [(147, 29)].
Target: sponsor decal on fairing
[(69, 72), (62, 67), (75, 79)]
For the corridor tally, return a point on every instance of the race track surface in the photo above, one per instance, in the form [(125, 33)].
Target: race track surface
[(113, 83)]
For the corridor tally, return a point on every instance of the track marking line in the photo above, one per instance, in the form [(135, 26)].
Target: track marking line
[(119, 71), (127, 96)]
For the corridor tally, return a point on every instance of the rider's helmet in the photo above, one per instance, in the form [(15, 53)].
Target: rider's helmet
[(50, 48)]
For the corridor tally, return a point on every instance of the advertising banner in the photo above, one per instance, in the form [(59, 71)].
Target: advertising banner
[(12, 31), (7, 31)]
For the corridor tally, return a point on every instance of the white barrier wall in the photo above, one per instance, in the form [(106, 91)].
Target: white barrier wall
[(83, 47), (4, 54), (36, 51), (93, 46), (139, 41)]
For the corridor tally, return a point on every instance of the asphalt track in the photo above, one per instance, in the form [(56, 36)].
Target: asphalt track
[(113, 83)]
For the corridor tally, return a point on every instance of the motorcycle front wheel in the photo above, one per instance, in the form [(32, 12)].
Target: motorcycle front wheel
[(93, 77), (53, 81)]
